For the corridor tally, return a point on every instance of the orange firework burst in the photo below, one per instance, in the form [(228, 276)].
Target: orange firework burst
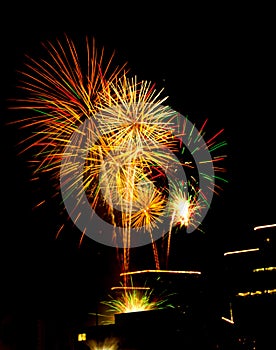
[(61, 95), (122, 168), (118, 151)]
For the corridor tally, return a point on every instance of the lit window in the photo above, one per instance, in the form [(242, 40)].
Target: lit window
[(82, 337)]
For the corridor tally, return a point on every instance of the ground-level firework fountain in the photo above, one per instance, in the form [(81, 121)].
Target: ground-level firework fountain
[(169, 309)]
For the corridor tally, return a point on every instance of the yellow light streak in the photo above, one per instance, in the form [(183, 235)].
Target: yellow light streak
[(129, 288), (242, 251), (161, 271), (264, 226), (269, 268), (227, 320), (257, 292)]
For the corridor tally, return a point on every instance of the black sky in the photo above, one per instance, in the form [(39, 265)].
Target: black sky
[(213, 63)]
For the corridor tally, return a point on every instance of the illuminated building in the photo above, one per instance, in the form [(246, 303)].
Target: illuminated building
[(250, 287)]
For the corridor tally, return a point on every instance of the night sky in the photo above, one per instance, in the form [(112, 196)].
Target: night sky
[(215, 64)]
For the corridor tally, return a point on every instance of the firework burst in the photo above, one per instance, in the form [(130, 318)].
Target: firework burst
[(126, 163), (61, 94), (124, 167)]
